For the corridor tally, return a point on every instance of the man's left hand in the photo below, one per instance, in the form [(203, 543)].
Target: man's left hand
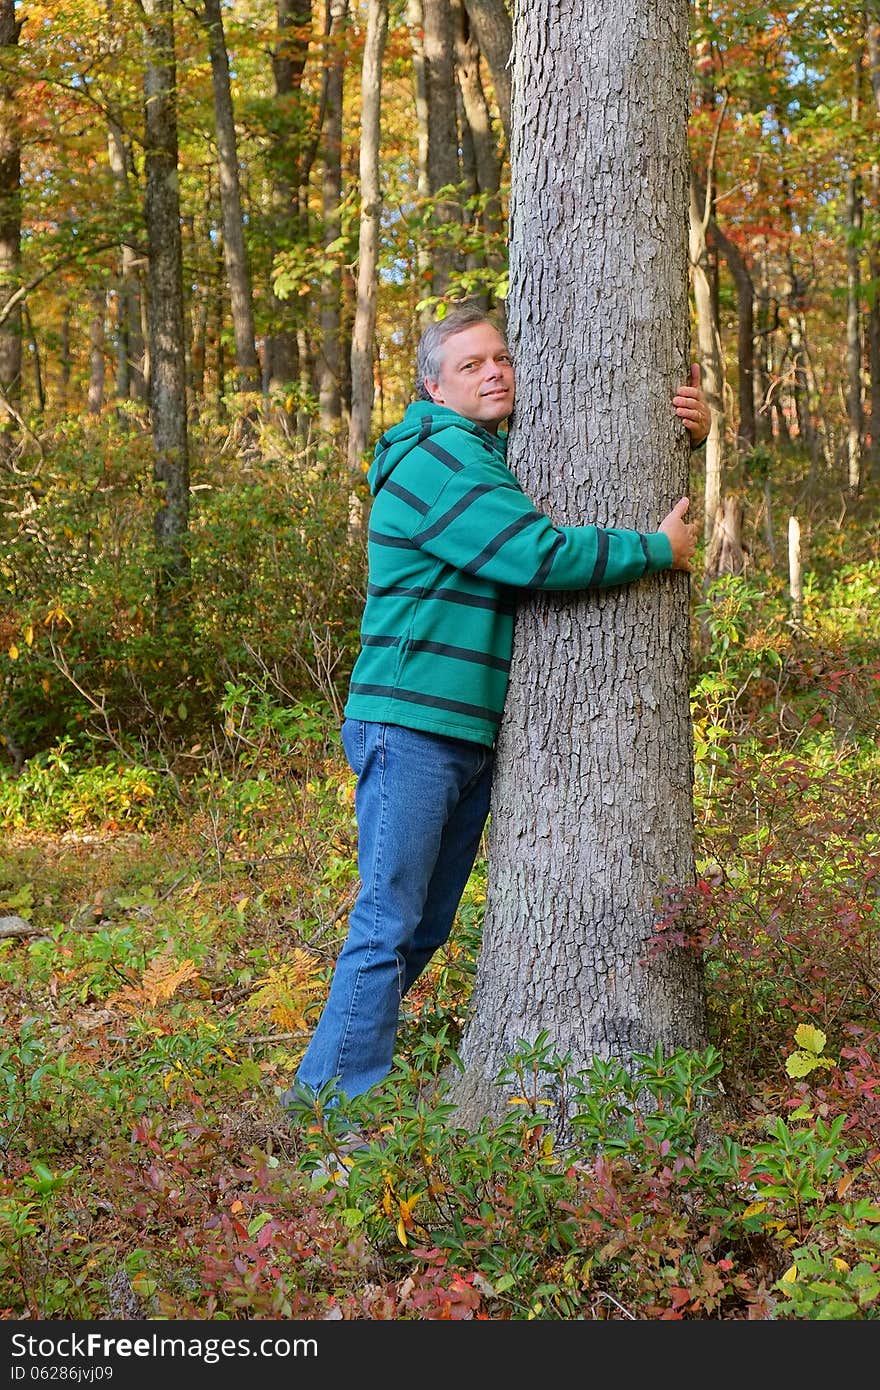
[(692, 408)]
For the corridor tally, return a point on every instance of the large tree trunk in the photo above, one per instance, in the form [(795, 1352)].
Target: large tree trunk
[(592, 816), (10, 227), (238, 272), (165, 293), (363, 338)]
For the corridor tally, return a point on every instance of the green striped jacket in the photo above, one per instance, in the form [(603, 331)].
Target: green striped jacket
[(452, 537)]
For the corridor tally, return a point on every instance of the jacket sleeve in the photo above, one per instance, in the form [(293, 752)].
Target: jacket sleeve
[(485, 525)]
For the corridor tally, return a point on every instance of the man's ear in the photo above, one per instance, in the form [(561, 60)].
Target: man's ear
[(433, 389)]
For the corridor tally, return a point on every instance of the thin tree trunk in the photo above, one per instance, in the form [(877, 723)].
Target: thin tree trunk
[(235, 252), (415, 23), (293, 19), (795, 576), (592, 816), (709, 343), (493, 30), (725, 553), (130, 381), (802, 402), (97, 363), (872, 35), (39, 390), (65, 356), (443, 162), (363, 338), (745, 301), (330, 353), (165, 294), (487, 164), (10, 224), (854, 335)]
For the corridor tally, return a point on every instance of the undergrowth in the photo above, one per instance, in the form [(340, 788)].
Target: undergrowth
[(172, 912)]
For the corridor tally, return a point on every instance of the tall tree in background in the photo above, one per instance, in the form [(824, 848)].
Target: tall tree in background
[(165, 290), (493, 30), (443, 163), (477, 123), (234, 249), (704, 267), (130, 380), (363, 341), (872, 35), (293, 20), (592, 815), (10, 228), (330, 352), (854, 217)]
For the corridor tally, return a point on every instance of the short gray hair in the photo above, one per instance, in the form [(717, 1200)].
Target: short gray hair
[(429, 355)]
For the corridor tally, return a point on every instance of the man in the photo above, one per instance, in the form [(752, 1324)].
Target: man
[(452, 536)]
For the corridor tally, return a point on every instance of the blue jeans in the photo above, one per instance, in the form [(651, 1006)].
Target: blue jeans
[(421, 804)]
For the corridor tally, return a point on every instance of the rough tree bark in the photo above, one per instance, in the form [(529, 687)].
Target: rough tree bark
[(592, 813), (165, 293)]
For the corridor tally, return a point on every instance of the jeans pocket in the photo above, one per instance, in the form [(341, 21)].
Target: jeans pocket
[(353, 735)]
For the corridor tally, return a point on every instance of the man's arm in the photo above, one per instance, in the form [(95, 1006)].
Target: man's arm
[(488, 527)]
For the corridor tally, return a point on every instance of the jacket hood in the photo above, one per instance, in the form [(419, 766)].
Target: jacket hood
[(422, 420)]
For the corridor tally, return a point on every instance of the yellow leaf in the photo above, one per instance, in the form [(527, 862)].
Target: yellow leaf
[(45, 684), (13, 652), (163, 977), (845, 1184), (755, 1209), (29, 636), (809, 1038), (401, 1232), (840, 1264), (790, 1275), (236, 1207)]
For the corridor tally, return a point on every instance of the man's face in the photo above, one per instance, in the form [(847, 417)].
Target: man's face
[(476, 376)]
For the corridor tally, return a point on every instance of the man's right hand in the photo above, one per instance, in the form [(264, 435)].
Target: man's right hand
[(682, 534)]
